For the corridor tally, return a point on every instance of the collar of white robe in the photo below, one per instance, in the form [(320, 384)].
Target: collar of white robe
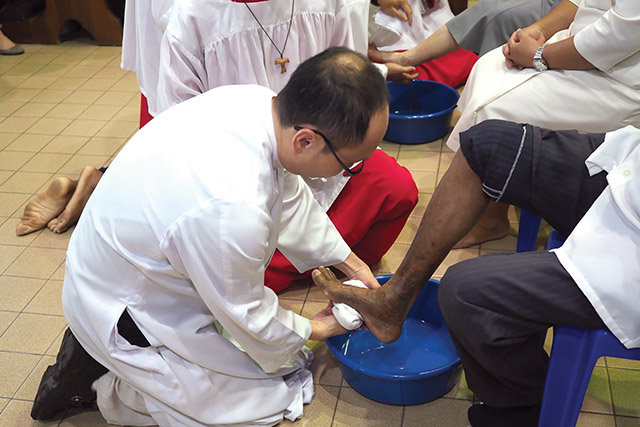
[(283, 59)]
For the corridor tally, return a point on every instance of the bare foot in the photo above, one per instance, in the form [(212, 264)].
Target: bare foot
[(5, 42), (86, 184), (46, 206), (383, 57), (483, 232), (382, 314)]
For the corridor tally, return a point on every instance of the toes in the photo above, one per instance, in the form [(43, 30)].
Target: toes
[(22, 229)]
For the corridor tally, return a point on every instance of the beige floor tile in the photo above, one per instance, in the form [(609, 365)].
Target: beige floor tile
[(46, 162), (17, 292), (65, 144), (38, 263), (16, 414), (291, 305), (78, 162), (315, 294), (52, 95), (429, 146), (83, 97), (37, 82), (98, 84), (6, 319), (83, 127), (24, 182), (392, 259), (598, 396), (128, 114), (586, 419), (440, 412), (126, 85), (13, 81), (41, 58), (14, 160), (24, 69), (53, 70), (32, 333), (3, 403), (311, 308), (111, 73), (116, 129), (625, 389), (29, 142), (14, 369), (68, 83), (66, 111), (319, 413), (8, 234), (423, 202), (49, 239), (425, 181), (54, 348), (613, 362), (22, 94), (390, 148), (119, 99), (17, 124), (325, 367), (507, 243), (99, 112), (5, 175), (419, 160), (10, 203), (6, 138), (29, 388), (49, 126), (460, 390), (454, 257), (88, 418), (7, 108), (83, 71), (356, 410), (48, 300), (626, 422), (298, 291), (409, 231)]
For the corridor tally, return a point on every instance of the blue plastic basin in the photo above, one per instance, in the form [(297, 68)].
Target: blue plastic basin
[(420, 111), (420, 366)]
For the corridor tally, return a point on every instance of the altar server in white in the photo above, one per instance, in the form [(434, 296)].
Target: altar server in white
[(164, 282)]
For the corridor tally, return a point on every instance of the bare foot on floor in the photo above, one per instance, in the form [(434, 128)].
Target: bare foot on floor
[(86, 184), (382, 316), (483, 233), (46, 206)]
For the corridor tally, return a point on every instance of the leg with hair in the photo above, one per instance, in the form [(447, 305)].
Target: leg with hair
[(498, 309), (499, 161), (85, 185)]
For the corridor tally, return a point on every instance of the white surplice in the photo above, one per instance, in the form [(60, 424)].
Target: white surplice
[(144, 24), (600, 100), (602, 254), (179, 232)]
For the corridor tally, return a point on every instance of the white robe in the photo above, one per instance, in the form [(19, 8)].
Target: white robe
[(144, 24), (608, 98), (602, 252), (179, 232)]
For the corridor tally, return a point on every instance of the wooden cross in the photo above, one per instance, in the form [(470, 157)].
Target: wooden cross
[(281, 62)]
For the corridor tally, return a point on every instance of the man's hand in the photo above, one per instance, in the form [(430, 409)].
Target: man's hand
[(397, 8), (400, 74), (521, 47), (324, 325)]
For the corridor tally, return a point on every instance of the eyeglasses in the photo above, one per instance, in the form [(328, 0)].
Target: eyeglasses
[(351, 171)]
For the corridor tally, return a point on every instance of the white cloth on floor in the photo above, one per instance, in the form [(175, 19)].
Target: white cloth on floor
[(347, 316)]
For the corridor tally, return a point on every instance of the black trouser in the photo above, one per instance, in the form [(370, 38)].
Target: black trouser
[(498, 307)]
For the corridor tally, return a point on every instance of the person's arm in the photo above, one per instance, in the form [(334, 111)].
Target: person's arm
[(559, 18)]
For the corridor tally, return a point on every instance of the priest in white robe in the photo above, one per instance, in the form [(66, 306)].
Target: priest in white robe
[(164, 282)]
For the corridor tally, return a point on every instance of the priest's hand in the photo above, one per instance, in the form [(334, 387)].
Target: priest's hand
[(400, 74), (519, 50), (324, 325)]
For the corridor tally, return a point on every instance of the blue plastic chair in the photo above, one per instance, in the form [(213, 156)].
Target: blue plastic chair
[(527, 231), (574, 353)]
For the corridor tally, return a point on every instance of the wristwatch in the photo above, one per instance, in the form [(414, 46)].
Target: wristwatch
[(538, 61)]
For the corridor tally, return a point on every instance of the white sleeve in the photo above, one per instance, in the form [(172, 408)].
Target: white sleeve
[(307, 237), (221, 246), (613, 37)]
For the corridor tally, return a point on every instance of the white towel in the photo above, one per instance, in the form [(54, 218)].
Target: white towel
[(384, 30), (347, 316)]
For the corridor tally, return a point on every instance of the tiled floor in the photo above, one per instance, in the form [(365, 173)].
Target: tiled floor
[(67, 106)]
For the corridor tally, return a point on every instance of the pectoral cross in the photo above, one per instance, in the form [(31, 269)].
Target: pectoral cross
[(281, 62)]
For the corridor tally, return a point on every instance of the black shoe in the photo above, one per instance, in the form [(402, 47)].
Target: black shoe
[(481, 415), (67, 384)]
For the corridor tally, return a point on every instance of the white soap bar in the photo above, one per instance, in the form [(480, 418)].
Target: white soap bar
[(346, 315)]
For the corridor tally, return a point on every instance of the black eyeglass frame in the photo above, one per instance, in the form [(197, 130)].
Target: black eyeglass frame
[(346, 168)]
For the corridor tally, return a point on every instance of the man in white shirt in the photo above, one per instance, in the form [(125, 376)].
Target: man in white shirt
[(499, 307), (164, 283)]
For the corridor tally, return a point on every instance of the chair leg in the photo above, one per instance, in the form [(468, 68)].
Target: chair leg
[(573, 357), (527, 231)]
